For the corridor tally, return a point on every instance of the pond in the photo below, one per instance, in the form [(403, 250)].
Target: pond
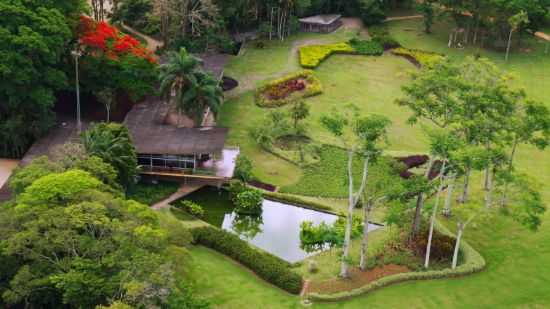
[(276, 231)]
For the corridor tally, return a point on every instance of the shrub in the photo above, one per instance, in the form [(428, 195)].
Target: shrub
[(364, 47), (442, 247), (192, 208), (243, 168), (149, 194), (279, 92), (312, 267), (312, 55), (414, 160), (249, 202), (381, 35), (418, 57), (265, 265), (236, 187)]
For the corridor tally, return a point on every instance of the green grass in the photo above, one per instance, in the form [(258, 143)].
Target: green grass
[(227, 284), (518, 272)]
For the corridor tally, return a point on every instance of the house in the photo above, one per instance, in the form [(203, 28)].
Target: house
[(173, 151), (320, 23)]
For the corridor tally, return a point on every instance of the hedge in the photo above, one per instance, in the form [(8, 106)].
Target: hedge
[(473, 262), (298, 201), (313, 88), (312, 55), (265, 265), (368, 48), (418, 57)]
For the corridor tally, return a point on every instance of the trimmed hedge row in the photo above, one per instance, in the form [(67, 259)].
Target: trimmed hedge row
[(313, 87), (312, 55), (368, 48), (265, 265), (418, 57), (298, 201), (473, 262)]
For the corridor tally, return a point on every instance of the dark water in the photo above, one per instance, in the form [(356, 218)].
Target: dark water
[(276, 231)]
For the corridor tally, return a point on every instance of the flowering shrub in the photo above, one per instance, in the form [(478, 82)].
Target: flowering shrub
[(100, 37), (312, 55), (418, 57), (281, 91)]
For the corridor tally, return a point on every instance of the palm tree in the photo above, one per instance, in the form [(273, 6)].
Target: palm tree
[(202, 95), (177, 75)]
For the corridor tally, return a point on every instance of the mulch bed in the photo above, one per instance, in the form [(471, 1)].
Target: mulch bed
[(262, 185), (357, 279)]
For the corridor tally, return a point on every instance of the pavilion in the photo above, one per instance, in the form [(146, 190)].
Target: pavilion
[(321, 23), (168, 150)]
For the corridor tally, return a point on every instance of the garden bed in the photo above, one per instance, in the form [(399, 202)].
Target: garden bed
[(311, 56), (357, 278), (284, 90)]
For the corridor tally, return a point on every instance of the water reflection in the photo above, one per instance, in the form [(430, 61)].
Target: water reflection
[(278, 229)]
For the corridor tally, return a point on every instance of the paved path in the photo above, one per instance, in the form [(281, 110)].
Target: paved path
[(185, 189), (152, 43)]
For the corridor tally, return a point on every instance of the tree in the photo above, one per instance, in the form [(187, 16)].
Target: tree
[(243, 168), (442, 145), (112, 143), (384, 186), (298, 111), (203, 94), (359, 136), (33, 40), (515, 22), (107, 98), (80, 246), (465, 215), (37, 168), (177, 76), (427, 9)]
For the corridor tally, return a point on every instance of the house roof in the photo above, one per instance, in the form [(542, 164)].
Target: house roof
[(152, 136), (321, 19)]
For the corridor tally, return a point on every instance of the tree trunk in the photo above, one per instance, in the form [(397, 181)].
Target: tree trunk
[(108, 110), (489, 192), (457, 243), (349, 218), (365, 241), (449, 197), (504, 196), (420, 203), (509, 44), (434, 214), (464, 197)]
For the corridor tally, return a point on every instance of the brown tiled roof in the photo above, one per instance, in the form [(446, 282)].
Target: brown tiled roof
[(151, 136)]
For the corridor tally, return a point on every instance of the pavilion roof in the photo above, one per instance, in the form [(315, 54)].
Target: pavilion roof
[(151, 135), (321, 19)]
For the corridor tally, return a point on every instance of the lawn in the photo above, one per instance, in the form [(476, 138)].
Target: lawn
[(517, 274)]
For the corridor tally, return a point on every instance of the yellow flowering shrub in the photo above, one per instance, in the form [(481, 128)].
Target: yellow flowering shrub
[(312, 55), (419, 57)]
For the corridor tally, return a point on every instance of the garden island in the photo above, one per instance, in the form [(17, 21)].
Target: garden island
[(274, 154)]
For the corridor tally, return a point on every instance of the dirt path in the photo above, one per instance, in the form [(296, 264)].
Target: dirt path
[(152, 44), (403, 18), (6, 168)]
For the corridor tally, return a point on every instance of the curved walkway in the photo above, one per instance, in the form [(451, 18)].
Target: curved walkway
[(152, 44)]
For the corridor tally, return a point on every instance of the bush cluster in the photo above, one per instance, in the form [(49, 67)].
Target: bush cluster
[(312, 55), (381, 35), (249, 202), (191, 208), (473, 262), (442, 247), (265, 94), (265, 265), (364, 47), (418, 57)]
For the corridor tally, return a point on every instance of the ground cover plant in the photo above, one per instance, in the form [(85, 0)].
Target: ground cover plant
[(279, 92), (365, 47)]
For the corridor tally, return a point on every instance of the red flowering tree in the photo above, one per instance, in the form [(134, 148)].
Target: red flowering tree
[(114, 61)]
